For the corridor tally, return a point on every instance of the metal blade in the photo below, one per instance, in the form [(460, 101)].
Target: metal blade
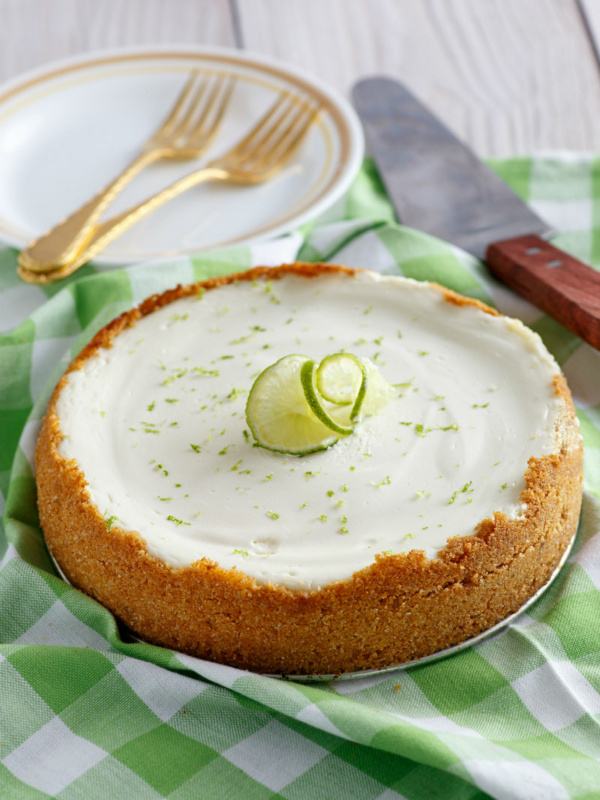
[(435, 182)]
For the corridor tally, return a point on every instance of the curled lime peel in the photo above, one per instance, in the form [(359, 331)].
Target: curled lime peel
[(307, 378), (298, 407)]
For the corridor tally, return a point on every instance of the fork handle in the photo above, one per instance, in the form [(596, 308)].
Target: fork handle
[(107, 231), (61, 244)]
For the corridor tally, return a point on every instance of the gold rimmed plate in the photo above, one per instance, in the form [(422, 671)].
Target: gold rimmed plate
[(68, 129)]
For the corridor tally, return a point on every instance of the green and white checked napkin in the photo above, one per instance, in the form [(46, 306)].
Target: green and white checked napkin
[(85, 713)]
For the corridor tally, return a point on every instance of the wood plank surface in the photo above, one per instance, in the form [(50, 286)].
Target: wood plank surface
[(590, 13), (508, 76), (34, 32)]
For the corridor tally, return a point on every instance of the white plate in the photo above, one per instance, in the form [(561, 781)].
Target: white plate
[(65, 131)]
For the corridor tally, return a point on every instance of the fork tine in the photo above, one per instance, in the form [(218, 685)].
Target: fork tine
[(260, 125), (295, 118), (282, 138), (181, 125), (180, 103), (207, 121), (296, 131), (286, 118)]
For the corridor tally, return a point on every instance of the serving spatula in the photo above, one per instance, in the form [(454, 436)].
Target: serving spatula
[(437, 185)]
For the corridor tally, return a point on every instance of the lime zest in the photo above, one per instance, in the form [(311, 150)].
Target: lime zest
[(110, 521)]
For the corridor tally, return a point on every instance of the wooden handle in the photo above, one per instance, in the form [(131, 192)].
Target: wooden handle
[(566, 289)]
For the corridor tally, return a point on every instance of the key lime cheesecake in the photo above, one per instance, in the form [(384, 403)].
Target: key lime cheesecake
[(310, 469)]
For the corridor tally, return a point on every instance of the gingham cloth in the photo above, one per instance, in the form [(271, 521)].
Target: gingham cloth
[(85, 713)]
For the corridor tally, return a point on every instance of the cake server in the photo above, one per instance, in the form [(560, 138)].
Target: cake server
[(437, 185)]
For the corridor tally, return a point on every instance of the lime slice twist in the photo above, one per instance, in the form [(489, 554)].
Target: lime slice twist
[(342, 379), (297, 406)]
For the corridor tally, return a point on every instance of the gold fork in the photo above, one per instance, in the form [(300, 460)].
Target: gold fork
[(259, 156), (186, 133)]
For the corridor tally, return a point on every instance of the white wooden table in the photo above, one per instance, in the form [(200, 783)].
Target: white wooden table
[(508, 76)]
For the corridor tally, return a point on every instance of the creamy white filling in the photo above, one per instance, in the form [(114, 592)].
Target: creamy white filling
[(157, 425)]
